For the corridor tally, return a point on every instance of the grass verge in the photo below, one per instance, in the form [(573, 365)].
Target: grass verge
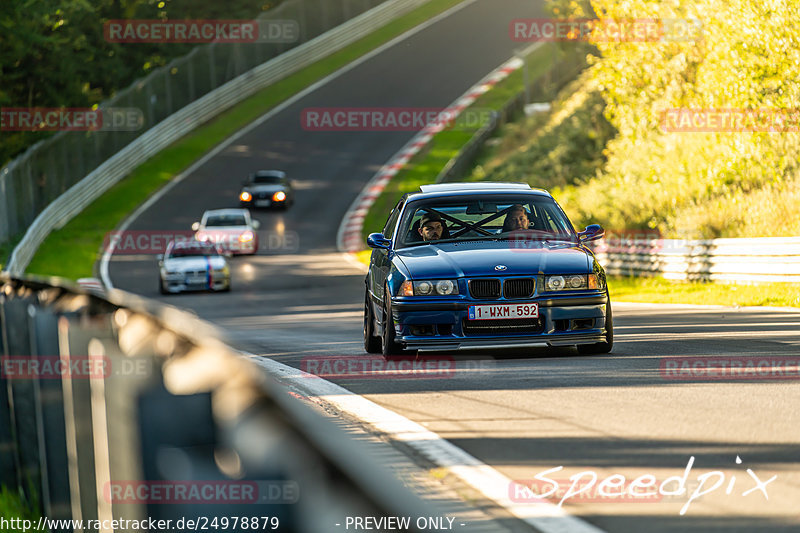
[(13, 506), (71, 251), (425, 166), (659, 290)]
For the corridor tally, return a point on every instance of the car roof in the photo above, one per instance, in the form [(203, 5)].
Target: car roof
[(228, 211), (467, 189), (183, 245), (269, 173)]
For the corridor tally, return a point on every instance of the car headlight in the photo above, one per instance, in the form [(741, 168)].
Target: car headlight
[(247, 236), (572, 282), (279, 196), (245, 196), (440, 287)]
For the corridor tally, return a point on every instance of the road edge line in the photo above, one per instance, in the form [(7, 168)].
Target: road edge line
[(542, 514)]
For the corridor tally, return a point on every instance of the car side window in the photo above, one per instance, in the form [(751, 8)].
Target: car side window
[(391, 224)]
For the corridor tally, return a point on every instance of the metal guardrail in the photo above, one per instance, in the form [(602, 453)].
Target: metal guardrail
[(78, 196), (148, 396), (756, 260)]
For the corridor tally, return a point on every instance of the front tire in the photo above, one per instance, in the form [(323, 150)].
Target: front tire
[(389, 347), (372, 344), (161, 288), (601, 347)]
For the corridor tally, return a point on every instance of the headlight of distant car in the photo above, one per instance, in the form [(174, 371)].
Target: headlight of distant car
[(220, 271), (573, 282), (246, 236), (438, 287), (245, 196), (279, 196), (172, 275)]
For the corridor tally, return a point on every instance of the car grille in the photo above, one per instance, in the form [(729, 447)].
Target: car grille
[(501, 327), (518, 288), (484, 288), (262, 195)]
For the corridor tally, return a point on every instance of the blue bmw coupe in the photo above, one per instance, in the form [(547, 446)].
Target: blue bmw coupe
[(482, 266)]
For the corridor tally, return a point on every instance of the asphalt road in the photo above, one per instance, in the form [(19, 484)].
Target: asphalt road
[(522, 413)]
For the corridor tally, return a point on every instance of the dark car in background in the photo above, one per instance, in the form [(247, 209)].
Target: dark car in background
[(266, 189), (506, 270)]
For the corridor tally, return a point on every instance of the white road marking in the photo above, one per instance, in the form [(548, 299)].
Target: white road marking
[(541, 514)]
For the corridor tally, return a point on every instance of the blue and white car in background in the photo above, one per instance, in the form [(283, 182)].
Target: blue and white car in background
[(481, 285), (193, 266)]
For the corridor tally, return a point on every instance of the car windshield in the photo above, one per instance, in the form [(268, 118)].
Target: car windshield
[(485, 218), (267, 179), (226, 220), (194, 251)]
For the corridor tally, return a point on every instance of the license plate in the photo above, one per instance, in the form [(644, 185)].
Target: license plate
[(263, 203), (196, 280), (503, 311)]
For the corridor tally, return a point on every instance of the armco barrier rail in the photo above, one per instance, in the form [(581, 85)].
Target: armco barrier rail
[(19, 181), (767, 259), (100, 397)]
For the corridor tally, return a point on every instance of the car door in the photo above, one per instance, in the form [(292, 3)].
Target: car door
[(381, 260)]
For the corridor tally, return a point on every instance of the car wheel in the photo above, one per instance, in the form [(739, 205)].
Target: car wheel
[(601, 347), (161, 288), (388, 345), (372, 344)]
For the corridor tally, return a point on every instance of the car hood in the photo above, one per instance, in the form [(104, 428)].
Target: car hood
[(473, 259), (183, 264), (225, 230)]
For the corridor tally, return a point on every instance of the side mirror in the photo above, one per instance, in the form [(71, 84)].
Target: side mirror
[(377, 240), (195, 226), (256, 224), (592, 232)]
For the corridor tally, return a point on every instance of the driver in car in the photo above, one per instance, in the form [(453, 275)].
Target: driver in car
[(516, 219), (431, 227)]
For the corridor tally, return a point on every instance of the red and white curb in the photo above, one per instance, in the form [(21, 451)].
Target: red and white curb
[(348, 238)]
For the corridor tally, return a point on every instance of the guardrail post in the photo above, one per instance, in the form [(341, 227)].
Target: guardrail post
[(22, 399), (50, 413), (9, 464)]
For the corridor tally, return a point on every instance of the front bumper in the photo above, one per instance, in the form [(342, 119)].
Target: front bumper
[(180, 285), (436, 324)]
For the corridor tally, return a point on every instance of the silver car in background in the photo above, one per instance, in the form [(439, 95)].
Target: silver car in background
[(231, 230), (193, 266)]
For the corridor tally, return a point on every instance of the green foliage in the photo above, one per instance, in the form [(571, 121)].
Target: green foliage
[(698, 184), (53, 53), (723, 184)]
